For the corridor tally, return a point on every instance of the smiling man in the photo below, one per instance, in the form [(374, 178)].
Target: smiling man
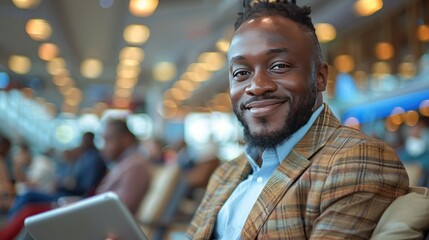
[(302, 175)]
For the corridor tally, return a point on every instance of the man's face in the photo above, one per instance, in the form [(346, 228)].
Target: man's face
[(112, 144), (272, 75)]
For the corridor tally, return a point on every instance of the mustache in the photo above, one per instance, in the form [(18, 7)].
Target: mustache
[(265, 96)]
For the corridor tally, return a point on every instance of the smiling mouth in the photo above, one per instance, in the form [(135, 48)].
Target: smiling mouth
[(263, 107)]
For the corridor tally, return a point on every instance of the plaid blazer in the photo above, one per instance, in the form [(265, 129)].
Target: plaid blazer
[(335, 184)]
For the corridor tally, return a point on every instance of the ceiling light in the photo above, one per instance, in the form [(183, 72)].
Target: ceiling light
[(131, 53), (214, 60), (367, 7), (384, 50), (423, 33), (121, 102), (127, 83), (344, 63), (424, 108), (136, 34), (91, 68), (19, 64), (128, 71), (143, 8), (56, 66), (381, 69), (48, 51), (186, 85), (26, 4), (164, 71), (123, 92), (200, 69), (325, 32), (222, 45), (38, 29)]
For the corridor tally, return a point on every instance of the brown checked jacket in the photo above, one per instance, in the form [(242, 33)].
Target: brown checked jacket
[(335, 184)]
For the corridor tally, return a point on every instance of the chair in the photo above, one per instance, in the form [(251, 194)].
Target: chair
[(406, 218), (158, 201)]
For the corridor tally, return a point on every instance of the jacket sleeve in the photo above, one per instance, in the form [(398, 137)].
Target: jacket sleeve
[(361, 184)]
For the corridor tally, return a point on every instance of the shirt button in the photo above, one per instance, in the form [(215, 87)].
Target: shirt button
[(259, 179)]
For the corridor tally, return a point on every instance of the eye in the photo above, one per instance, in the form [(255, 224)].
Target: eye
[(240, 73), (280, 67)]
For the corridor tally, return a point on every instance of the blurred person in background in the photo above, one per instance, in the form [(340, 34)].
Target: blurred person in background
[(129, 175), (6, 185), (79, 177), (21, 163)]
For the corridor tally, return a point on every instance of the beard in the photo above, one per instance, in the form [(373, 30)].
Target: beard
[(298, 116)]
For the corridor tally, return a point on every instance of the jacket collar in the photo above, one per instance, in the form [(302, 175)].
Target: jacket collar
[(289, 171)]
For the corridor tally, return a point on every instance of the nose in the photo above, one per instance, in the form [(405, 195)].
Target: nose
[(260, 84)]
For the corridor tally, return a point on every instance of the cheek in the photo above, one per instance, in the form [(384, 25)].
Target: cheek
[(235, 92)]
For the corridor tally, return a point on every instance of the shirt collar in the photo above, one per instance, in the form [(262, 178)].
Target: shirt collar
[(284, 148)]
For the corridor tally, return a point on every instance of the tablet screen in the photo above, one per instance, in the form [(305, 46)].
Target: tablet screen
[(98, 217)]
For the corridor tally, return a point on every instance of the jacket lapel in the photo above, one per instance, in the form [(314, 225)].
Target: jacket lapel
[(231, 178), (289, 171)]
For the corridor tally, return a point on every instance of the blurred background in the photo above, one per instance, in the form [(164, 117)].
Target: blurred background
[(68, 65)]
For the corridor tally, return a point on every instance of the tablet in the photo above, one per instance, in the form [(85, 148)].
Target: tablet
[(99, 217)]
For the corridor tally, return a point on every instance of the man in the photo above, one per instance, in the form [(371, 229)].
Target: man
[(129, 176), (302, 175)]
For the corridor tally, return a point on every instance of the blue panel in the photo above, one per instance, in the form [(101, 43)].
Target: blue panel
[(382, 108)]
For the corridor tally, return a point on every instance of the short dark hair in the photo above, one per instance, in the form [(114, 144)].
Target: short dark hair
[(301, 15), (120, 126)]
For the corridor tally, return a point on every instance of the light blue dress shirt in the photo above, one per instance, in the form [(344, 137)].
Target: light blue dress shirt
[(236, 209)]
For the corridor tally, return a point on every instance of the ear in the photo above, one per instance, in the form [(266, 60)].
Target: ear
[(322, 77)]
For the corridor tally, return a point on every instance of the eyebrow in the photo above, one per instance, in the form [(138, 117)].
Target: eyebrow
[(269, 52)]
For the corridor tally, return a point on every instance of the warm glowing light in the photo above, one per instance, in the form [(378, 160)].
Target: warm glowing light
[(178, 94), (214, 60), (19, 64), (424, 108), (352, 122), (26, 4), (325, 32), (164, 71), (381, 69), (127, 83), (384, 50), (136, 34), (396, 117), (121, 102), (131, 53), (201, 72), (390, 126), (128, 71), (60, 81), (91, 68), (56, 66), (423, 33), (143, 8), (38, 29), (75, 94), (407, 70), (48, 51), (186, 85), (411, 118), (222, 45), (344, 63), (367, 7), (123, 92)]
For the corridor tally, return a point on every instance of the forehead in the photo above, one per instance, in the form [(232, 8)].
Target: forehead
[(270, 32)]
